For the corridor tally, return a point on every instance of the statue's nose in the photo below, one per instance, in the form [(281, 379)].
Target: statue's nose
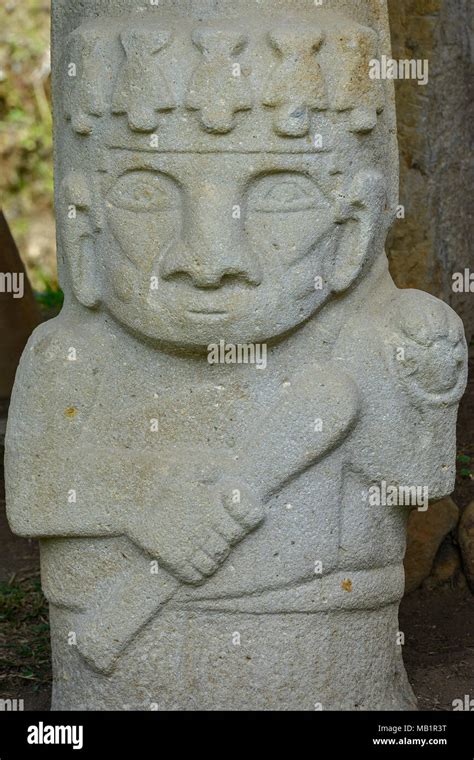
[(209, 267), (211, 248)]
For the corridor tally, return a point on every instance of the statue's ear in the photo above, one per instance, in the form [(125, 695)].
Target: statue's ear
[(361, 216), (78, 238)]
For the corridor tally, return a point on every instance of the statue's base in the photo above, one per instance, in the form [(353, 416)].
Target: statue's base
[(344, 660)]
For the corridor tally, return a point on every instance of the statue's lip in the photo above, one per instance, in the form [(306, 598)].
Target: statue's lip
[(208, 313)]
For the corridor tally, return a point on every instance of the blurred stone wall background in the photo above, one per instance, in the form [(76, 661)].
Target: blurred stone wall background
[(435, 126), (435, 129)]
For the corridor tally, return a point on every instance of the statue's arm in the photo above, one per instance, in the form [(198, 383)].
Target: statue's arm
[(56, 485), (60, 484), (311, 416), (416, 369), (432, 374)]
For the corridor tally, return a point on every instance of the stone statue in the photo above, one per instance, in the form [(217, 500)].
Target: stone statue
[(226, 176)]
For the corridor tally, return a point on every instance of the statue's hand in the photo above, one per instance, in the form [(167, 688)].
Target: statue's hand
[(192, 526)]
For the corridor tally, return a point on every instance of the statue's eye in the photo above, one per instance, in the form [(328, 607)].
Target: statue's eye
[(144, 191), (283, 195)]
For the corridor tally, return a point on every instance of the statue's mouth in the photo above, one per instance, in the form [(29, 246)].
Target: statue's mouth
[(208, 314)]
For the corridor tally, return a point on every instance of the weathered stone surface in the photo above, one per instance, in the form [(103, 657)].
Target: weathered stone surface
[(466, 543), (426, 531), (224, 528)]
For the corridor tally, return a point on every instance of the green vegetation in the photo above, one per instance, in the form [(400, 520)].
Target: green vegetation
[(26, 180), (51, 297), (465, 470), (24, 634)]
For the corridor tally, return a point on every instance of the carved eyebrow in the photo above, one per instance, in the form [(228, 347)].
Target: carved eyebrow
[(120, 168), (315, 175), (128, 163), (268, 164)]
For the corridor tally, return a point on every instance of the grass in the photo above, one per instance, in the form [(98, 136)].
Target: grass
[(464, 462), (51, 297), (24, 635)]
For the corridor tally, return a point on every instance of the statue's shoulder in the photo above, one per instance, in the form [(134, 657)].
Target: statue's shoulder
[(426, 341), (60, 361), (411, 339), (420, 311), (407, 352), (62, 340)]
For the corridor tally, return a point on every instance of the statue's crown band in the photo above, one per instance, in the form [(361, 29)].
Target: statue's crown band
[(221, 79)]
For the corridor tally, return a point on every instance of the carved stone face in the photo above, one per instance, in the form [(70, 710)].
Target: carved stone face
[(215, 141), (201, 247)]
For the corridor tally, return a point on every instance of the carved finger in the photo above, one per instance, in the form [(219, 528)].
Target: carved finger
[(187, 572), (216, 546), (203, 563), (243, 507), (228, 527)]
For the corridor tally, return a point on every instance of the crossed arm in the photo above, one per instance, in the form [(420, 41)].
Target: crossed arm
[(183, 506)]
